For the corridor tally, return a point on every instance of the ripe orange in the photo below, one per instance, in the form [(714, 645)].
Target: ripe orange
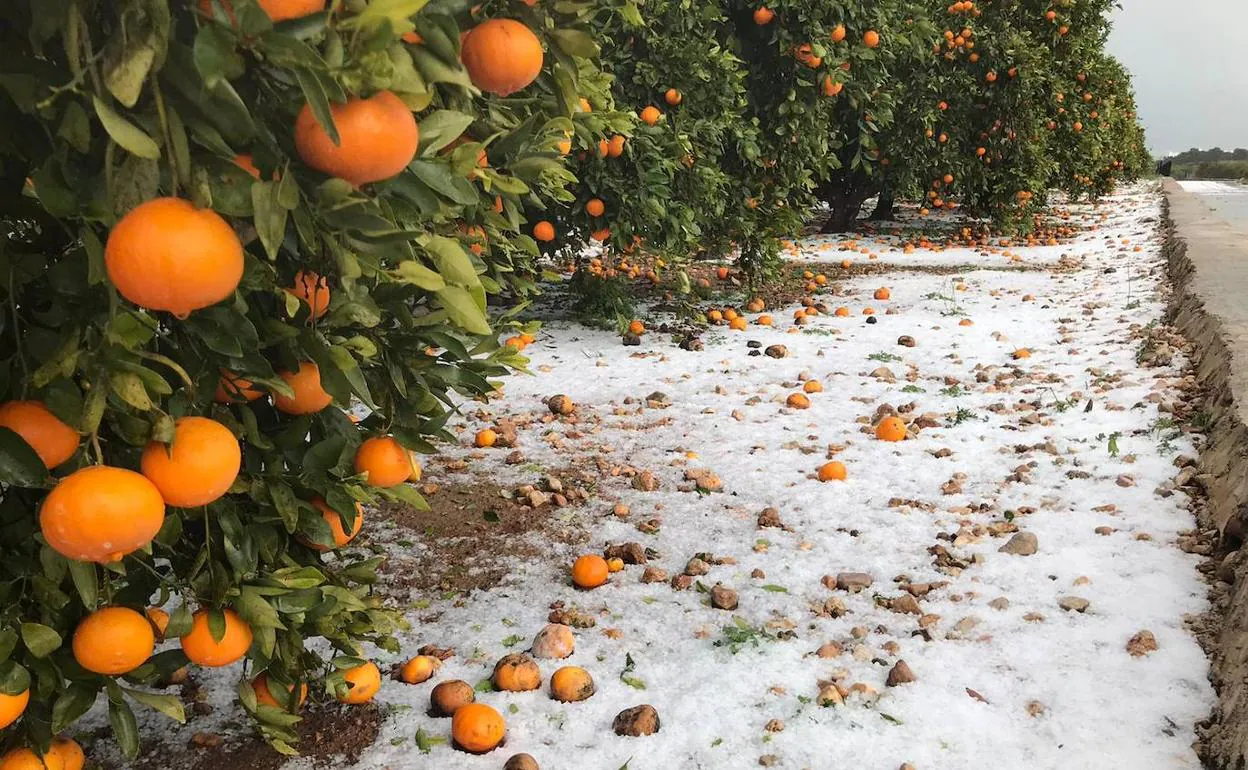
[(797, 401), (833, 471), (871, 38), (544, 231), (265, 697), (54, 441), (200, 647), (813, 386), (364, 682), (313, 290), (385, 461), (590, 571), (650, 115), (615, 148), (571, 684), (419, 669), (27, 759), (477, 728), (309, 396), (485, 439), (165, 254), (737, 324), (763, 16), (601, 235), (198, 467), (334, 520), (517, 672), (101, 513), (378, 137), (502, 56), (248, 164), (891, 429), (231, 388), (278, 10), (68, 751), (159, 620), (595, 207), (12, 707), (636, 327), (882, 293), (838, 33), (1020, 354), (113, 641), (673, 97)]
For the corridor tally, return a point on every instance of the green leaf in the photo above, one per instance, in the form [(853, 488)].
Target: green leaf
[(14, 679), (77, 700), (775, 589), (85, 580), (256, 611), (270, 216), (463, 310), (75, 127), (425, 742), (283, 498), (347, 364), (20, 465), (411, 271), (129, 386), (126, 69), (440, 178), (575, 42), (442, 127), (125, 728), (452, 261), (8, 643), (318, 101), (40, 639), (180, 621), (129, 136), (215, 56), (397, 12), (169, 705)]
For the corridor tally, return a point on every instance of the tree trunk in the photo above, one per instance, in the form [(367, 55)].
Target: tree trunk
[(886, 208), (845, 203)]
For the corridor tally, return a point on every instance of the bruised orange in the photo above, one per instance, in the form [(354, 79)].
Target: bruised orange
[(198, 467), (54, 441), (101, 513), (363, 681), (309, 396), (502, 56), (378, 137), (165, 254), (201, 648), (113, 641)]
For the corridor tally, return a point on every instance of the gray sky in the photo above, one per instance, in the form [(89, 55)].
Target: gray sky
[(1190, 66)]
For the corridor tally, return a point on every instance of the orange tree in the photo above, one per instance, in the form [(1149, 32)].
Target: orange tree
[(823, 86), (227, 224)]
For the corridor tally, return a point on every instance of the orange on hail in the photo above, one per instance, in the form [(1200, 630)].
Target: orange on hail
[(882, 293), (571, 684), (595, 207), (101, 513), (378, 137), (54, 441), (232, 388), (544, 231), (891, 429), (590, 571), (833, 471), (334, 520), (477, 728), (113, 641), (309, 396), (502, 56), (385, 461), (485, 438), (203, 649), (636, 327), (419, 669), (313, 290), (198, 467), (165, 254), (363, 681)]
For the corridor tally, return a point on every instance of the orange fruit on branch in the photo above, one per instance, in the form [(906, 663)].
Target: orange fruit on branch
[(363, 681), (54, 441), (313, 290), (202, 648), (377, 138), (68, 751), (231, 388), (12, 707), (101, 513), (385, 461), (673, 97), (198, 467), (544, 231), (334, 520), (615, 147), (763, 16), (595, 207), (278, 10), (477, 728), (502, 56), (263, 687), (871, 38), (309, 396), (165, 254), (113, 641), (650, 115), (27, 759)]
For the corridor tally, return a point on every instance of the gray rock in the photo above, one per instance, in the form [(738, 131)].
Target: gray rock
[(1022, 544)]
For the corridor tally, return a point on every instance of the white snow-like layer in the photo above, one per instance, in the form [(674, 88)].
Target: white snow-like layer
[(1102, 707), (1213, 187)]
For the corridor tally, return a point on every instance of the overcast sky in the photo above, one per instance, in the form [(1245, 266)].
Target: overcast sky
[(1190, 64)]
